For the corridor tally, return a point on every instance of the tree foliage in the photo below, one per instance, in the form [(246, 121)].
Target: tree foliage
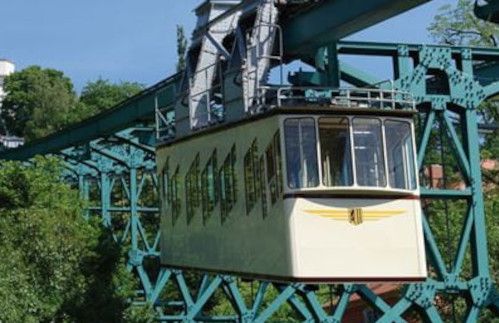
[(56, 266), (39, 102), (101, 95), (459, 26), (42, 101), (181, 48)]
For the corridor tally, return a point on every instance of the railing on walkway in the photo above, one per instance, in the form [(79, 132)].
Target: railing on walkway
[(369, 98)]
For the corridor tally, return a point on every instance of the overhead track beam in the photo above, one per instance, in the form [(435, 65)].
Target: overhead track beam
[(139, 108), (333, 20), (488, 11)]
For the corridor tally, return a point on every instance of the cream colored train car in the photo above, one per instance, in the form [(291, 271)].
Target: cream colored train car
[(290, 195)]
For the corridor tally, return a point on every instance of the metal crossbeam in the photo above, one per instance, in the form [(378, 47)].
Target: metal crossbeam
[(333, 20)]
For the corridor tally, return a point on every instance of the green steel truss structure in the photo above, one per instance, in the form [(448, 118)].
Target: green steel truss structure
[(110, 158)]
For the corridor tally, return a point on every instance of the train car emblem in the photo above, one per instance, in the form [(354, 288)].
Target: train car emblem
[(355, 216)]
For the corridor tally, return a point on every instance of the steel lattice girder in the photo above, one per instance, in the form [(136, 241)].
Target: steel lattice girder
[(464, 97), (479, 290), (333, 20), (119, 157), (121, 161)]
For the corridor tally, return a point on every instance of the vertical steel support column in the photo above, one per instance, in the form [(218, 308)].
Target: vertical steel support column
[(134, 215), (481, 287), (84, 190), (333, 72), (82, 171), (472, 144), (105, 193), (402, 65), (128, 158)]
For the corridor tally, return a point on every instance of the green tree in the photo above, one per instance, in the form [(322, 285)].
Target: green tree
[(459, 26), (55, 265), (39, 102), (101, 94), (181, 48)]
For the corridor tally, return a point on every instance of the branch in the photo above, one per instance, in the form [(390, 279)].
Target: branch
[(470, 32), (494, 41)]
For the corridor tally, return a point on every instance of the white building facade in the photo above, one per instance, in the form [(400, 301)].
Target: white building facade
[(6, 68), (6, 141)]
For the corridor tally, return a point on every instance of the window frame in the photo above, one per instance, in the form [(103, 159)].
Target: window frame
[(273, 161), (165, 184), (414, 154), (271, 171), (317, 151), (174, 197), (355, 186), (278, 161), (263, 187), (192, 189), (350, 147), (251, 174), (383, 148), (209, 203), (228, 184)]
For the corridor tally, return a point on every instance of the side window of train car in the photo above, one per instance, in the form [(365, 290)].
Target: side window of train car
[(271, 172), (369, 152), (192, 189), (400, 155), (274, 168), (336, 156), (227, 180), (165, 192), (301, 153), (251, 176), (173, 196), (263, 187), (278, 160), (209, 187)]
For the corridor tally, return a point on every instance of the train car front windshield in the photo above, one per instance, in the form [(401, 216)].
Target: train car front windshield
[(350, 151)]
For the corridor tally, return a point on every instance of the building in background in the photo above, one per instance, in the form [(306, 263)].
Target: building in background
[(6, 68), (6, 141)]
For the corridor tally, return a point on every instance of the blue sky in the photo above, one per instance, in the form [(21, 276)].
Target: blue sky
[(133, 40)]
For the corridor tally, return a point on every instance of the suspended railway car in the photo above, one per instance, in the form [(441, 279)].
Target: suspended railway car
[(320, 194), (294, 183)]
